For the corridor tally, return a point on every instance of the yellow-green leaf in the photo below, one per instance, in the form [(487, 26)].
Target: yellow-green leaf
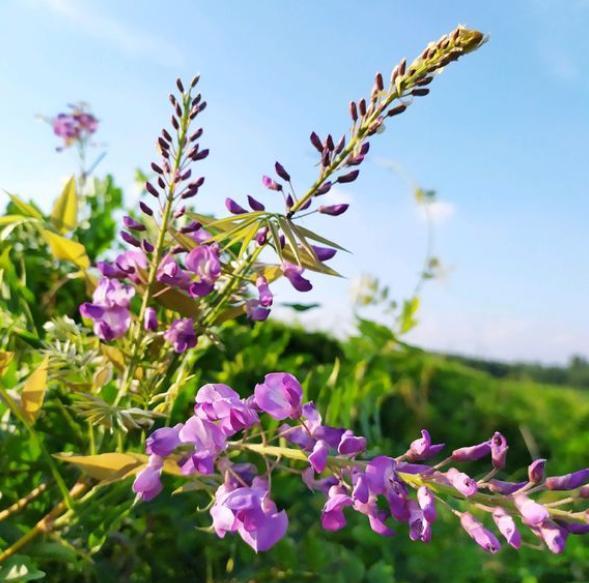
[(33, 393), (114, 355), (65, 210), (174, 299), (5, 359), (66, 249), (25, 208)]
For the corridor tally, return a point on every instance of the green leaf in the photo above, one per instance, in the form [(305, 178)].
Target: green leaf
[(65, 210), (33, 393), (407, 320), (315, 237), (300, 307), (66, 249), (290, 239)]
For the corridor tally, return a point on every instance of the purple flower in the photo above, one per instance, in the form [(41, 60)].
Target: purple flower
[(536, 471), (164, 441), (351, 444), (109, 309), (323, 485), (416, 520), (255, 311), (250, 512), (294, 274), (147, 484), (264, 292), (259, 309), (280, 395), (170, 273), (282, 172), (255, 205), (427, 503), (532, 513), (505, 488), (204, 262), (319, 455), (483, 537), (474, 452), (324, 253), (422, 449), (270, 184), (208, 440), (360, 491), (332, 515), (220, 403), (334, 209), (132, 224), (376, 517), (506, 526), (462, 482), (181, 335), (380, 472), (568, 481), (150, 320), (126, 265), (553, 535), (499, 449)]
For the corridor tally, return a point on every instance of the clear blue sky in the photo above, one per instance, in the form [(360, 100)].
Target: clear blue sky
[(502, 138)]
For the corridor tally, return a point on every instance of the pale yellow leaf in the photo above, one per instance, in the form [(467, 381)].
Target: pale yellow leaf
[(66, 249), (65, 210), (33, 393)]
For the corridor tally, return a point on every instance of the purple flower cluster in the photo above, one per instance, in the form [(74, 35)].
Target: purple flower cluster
[(76, 126), (386, 490)]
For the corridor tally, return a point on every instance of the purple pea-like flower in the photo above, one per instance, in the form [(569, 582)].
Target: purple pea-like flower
[(109, 309), (282, 172), (333, 209), (471, 453), (380, 472), (271, 184), (170, 273), (255, 205), (205, 263), (280, 395), (532, 513), (255, 311), (427, 503), (294, 274), (147, 484), (265, 294), (462, 482), (163, 441), (318, 457), (553, 535), (150, 320), (351, 444), (506, 526), (568, 481), (181, 335), (423, 449), (483, 537), (536, 471), (360, 490), (332, 515), (208, 440), (499, 449), (505, 488), (416, 520), (324, 253)]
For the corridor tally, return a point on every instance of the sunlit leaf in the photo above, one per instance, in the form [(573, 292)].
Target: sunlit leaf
[(106, 466), (5, 359), (25, 208), (271, 272), (315, 237), (66, 249), (407, 319), (65, 210), (33, 393), (175, 300), (114, 355), (290, 239)]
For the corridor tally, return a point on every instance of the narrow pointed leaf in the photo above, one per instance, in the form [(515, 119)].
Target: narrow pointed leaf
[(66, 249), (33, 393), (65, 210)]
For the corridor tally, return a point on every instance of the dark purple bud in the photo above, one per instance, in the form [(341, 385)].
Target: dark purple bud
[(175, 123), (323, 189), (178, 110), (201, 155), (499, 449), (362, 107), (161, 182), (536, 471), (420, 92), (150, 320), (202, 106), (163, 144), (189, 192), (146, 209), (197, 134), (333, 209), (191, 227), (505, 488), (198, 182), (194, 81), (271, 184), (128, 238), (574, 527), (353, 111), (349, 177), (179, 85), (378, 82), (282, 172), (326, 157), (180, 212), (233, 207), (289, 202), (364, 148), (165, 154), (471, 453), (397, 110), (425, 81), (316, 141), (196, 99), (255, 205), (340, 145), (568, 481), (262, 236), (324, 253), (147, 246), (172, 99), (186, 175), (306, 205), (156, 168), (166, 135), (355, 160), (132, 224), (329, 143), (282, 241)]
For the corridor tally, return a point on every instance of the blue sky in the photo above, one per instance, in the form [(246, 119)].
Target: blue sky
[(502, 139)]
